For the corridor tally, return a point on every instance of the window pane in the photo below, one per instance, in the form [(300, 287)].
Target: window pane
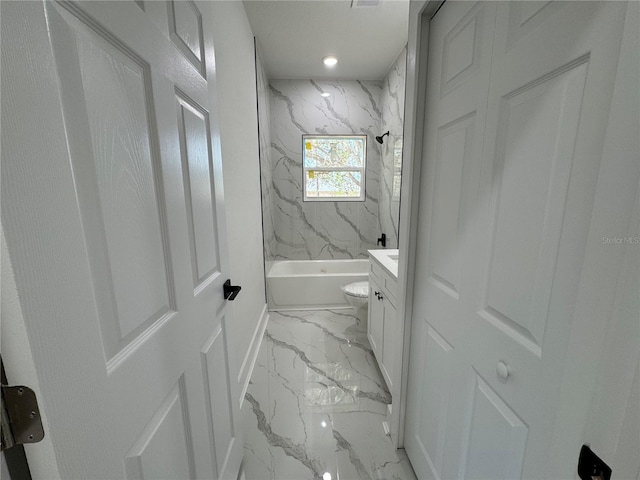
[(397, 169), (334, 151), (397, 179), (333, 184)]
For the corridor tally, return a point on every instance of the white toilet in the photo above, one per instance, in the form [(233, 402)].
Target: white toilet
[(357, 294)]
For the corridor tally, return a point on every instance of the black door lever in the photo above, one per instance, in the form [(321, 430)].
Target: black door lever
[(230, 291)]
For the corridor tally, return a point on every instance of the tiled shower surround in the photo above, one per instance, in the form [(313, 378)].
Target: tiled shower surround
[(322, 230), (266, 168), (392, 101), (297, 230)]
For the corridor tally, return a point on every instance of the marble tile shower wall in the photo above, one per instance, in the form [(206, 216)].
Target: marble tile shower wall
[(322, 230), (266, 165), (392, 101)]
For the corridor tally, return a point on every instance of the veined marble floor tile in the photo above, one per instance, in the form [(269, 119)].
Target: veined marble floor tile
[(315, 403)]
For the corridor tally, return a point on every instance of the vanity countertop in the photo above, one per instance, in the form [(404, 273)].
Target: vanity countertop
[(388, 259)]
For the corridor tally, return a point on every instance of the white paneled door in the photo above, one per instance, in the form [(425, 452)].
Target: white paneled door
[(112, 207), (517, 101)]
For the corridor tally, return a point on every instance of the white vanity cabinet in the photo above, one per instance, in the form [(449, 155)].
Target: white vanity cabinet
[(381, 329)]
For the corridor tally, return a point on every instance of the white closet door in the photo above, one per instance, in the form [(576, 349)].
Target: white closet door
[(513, 140), (460, 48), (112, 207)]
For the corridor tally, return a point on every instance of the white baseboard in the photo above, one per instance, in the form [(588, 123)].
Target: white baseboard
[(252, 354)]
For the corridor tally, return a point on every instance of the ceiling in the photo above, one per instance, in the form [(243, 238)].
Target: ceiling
[(294, 36)]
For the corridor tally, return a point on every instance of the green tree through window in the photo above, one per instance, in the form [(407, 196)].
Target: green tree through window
[(334, 167)]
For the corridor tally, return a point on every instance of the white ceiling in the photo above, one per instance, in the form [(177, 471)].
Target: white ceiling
[(294, 36)]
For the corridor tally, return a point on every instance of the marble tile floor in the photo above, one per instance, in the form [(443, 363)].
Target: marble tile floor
[(315, 404)]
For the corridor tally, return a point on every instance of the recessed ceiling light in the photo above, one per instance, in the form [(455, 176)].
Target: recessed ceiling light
[(330, 61), (325, 94)]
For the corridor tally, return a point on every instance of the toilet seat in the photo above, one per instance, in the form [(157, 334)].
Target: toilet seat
[(356, 289)]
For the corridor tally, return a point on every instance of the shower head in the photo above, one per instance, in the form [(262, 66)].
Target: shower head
[(380, 139)]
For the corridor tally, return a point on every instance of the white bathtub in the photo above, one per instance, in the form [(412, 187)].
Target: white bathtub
[(310, 284)]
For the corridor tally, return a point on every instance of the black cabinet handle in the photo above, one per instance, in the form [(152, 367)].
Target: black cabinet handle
[(230, 291)]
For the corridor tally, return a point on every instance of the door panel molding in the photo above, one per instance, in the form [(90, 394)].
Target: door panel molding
[(185, 29), (494, 436), (451, 187), (165, 441), (193, 122)]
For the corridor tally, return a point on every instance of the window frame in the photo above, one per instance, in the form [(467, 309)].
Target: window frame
[(362, 170)]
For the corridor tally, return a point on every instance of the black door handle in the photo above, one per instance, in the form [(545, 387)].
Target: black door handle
[(230, 291)]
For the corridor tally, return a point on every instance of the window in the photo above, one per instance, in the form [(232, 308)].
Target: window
[(397, 169), (333, 167)]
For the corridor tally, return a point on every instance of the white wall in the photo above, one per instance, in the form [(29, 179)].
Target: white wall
[(237, 103)]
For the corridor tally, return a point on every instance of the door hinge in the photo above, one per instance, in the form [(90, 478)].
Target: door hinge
[(20, 420)]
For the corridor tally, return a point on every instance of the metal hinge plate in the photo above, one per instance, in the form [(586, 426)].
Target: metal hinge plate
[(19, 417)]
